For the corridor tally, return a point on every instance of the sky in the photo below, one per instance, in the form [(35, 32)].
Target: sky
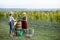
[(35, 4)]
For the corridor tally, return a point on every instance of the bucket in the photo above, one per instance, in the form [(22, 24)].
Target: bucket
[(19, 32)]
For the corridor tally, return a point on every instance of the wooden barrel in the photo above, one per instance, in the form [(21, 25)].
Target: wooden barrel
[(19, 24)]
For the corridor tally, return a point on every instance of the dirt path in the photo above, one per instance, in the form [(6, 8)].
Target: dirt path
[(45, 24)]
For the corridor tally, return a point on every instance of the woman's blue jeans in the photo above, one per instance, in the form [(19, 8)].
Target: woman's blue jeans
[(11, 26)]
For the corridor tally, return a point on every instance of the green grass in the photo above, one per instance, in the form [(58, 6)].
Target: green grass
[(40, 33)]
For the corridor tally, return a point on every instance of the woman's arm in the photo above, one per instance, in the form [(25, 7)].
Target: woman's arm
[(13, 19)]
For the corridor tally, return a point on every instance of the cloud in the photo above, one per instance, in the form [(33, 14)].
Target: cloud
[(30, 4)]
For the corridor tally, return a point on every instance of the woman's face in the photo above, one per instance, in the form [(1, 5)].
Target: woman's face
[(24, 15)]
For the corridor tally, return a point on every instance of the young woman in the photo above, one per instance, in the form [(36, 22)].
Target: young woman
[(24, 21), (11, 19)]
